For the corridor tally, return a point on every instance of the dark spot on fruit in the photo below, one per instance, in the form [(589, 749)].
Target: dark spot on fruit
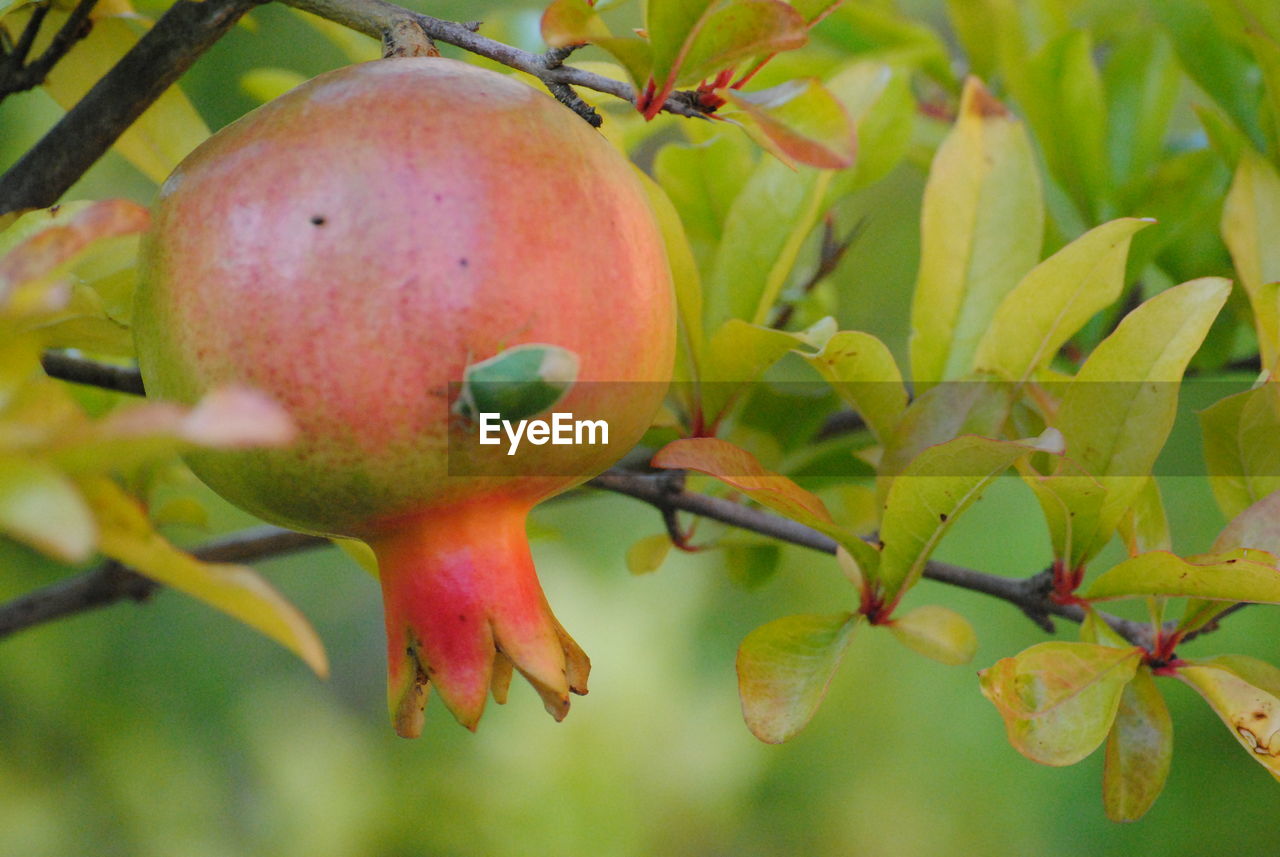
[(942, 516), (318, 220), (463, 262), (53, 210), (1259, 715), (462, 617)]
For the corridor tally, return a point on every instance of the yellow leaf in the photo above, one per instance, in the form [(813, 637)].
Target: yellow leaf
[(127, 536), (646, 555), (164, 134), (42, 508), (938, 633)]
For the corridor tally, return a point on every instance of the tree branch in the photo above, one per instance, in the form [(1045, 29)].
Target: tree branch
[(112, 582), (1028, 594), (665, 492), (378, 18), (81, 370), (85, 133)]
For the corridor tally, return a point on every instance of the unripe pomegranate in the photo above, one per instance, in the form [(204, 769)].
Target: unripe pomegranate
[(351, 248)]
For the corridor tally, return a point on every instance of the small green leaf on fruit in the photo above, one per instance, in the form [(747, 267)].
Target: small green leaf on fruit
[(517, 383), (784, 669), (938, 633)]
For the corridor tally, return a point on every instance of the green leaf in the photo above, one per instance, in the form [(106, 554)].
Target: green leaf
[(943, 413), (41, 507), (798, 121), (1075, 507), (938, 633), (879, 100), (739, 469), (1145, 527), (1251, 713), (752, 565), (763, 235), (1055, 299), (694, 39), (127, 536), (1058, 700), (739, 353), (784, 669), (684, 274), (1250, 220), (1142, 81), (1069, 118), (1139, 750), (647, 554), (1117, 413), (862, 371), (1094, 629), (981, 231), (1219, 65), (702, 181), (735, 30), (1241, 447), (925, 501), (517, 383), (1239, 575), (1266, 50), (976, 26), (879, 31)]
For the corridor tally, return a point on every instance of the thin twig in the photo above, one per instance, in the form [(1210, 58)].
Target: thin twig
[(377, 18), (112, 582), (1028, 594), (18, 74)]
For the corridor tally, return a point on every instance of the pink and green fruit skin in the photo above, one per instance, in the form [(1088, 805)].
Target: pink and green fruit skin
[(350, 248)]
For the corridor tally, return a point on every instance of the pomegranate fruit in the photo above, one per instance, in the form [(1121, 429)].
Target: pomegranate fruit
[(351, 248)]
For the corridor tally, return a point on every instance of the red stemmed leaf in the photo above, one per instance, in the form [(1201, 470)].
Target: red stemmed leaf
[(799, 121)]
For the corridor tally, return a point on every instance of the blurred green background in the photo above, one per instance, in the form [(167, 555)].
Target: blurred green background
[(168, 729)]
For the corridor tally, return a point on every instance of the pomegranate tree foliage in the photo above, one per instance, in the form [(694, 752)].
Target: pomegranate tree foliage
[(1085, 241)]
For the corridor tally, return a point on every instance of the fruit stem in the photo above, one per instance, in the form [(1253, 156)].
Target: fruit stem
[(463, 607)]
